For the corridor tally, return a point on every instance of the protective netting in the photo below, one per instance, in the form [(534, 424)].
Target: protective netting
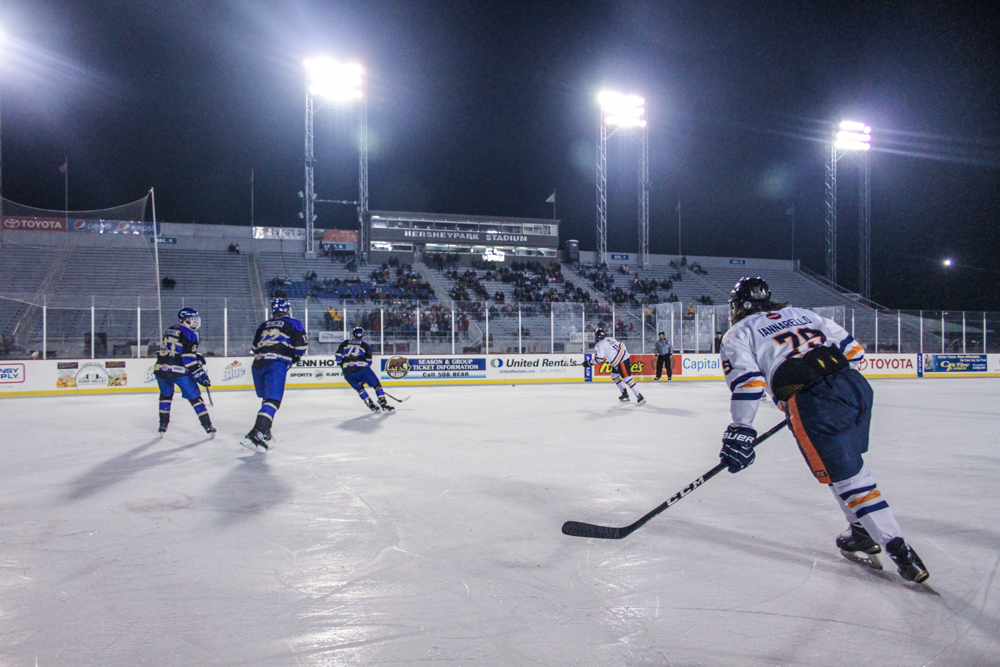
[(131, 212)]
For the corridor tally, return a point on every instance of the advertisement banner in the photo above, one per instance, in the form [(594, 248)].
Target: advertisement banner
[(24, 224), (955, 363), (111, 227), (11, 373), (433, 368), (889, 365)]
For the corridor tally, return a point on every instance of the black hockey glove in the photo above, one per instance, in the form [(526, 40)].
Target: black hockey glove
[(201, 377), (587, 363), (737, 447)]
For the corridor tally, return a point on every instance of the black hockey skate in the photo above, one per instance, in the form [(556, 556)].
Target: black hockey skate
[(624, 397), (907, 561), (254, 440), (371, 406), (206, 423), (857, 545), (385, 405), (163, 428), (640, 400)]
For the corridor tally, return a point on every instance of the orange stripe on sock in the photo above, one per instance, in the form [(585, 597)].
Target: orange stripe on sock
[(808, 449), (870, 496), (755, 383)]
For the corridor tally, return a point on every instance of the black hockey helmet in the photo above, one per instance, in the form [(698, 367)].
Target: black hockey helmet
[(748, 295), (599, 335), (357, 333)]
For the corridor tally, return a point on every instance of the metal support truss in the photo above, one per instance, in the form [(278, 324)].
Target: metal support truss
[(644, 197), (831, 216), (309, 197), (363, 184), (602, 189), (864, 228)]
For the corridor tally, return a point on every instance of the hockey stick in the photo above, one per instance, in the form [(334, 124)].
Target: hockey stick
[(210, 401), (398, 400), (580, 529)]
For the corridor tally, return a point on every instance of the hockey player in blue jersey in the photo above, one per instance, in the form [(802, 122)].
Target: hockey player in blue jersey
[(178, 363), (806, 362), (355, 357), (279, 342)]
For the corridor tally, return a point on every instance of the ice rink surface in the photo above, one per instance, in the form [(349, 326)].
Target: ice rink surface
[(432, 536)]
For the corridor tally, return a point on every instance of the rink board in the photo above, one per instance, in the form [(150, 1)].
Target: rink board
[(88, 376)]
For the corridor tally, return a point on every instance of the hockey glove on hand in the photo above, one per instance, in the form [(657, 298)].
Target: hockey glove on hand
[(587, 363), (737, 447), (201, 377)]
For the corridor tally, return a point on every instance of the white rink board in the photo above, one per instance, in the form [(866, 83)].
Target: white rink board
[(86, 376)]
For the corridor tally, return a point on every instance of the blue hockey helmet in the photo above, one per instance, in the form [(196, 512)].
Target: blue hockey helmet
[(357, 333), (189, 317), (280, 307)]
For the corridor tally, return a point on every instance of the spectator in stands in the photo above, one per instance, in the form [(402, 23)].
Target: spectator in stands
[(684, 261), (717, 343), (689, 315), (234, 248), (168, 282)]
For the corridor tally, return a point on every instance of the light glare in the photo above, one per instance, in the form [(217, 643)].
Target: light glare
[(622, 110), (853, 136), (947, 262), (333, 81)]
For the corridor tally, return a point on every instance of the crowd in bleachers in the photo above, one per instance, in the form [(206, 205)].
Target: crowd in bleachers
[(638, 290), (531, 282), (392, 281)]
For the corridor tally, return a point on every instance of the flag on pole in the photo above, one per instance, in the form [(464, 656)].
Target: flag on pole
[(678, 209), (251, 177), (552, 198), (64, 167), (790, 210)]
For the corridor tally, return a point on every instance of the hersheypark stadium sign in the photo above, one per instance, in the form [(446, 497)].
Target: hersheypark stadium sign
[(463, 237)]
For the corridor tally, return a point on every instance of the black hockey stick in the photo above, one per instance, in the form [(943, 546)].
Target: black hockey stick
[(398, 400), (580, 529), (210, 401)]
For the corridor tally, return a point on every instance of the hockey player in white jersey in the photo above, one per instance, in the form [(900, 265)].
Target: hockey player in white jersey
[(613, 352), (807, 364)]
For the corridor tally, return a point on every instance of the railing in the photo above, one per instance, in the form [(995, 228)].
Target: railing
[(102, 328)]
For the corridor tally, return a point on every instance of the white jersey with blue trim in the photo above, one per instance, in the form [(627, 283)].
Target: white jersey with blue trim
[(756, 345), (610, 350)]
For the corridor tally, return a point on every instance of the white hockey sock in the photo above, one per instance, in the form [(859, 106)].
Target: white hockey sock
[(862, 503)]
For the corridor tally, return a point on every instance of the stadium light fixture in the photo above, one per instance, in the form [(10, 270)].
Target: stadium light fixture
[(947, 262), (334, 81), (622, 110), (853, 136)]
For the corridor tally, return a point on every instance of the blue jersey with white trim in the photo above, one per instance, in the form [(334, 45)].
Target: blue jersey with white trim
[(354, 355), (178, 352), (279, 339), (756, 345)]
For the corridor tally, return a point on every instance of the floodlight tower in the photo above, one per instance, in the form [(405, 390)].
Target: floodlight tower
[(622, 112), (339, 84), (851, 136)]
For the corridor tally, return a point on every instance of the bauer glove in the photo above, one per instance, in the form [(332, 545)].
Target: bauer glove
[(737, 447)]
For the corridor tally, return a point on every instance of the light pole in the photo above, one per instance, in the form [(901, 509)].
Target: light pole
[(1, 141), (340, 84), (947, 263), (851, 136), (622, 112)]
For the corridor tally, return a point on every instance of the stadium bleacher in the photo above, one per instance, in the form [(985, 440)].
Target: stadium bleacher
[(119, 281)]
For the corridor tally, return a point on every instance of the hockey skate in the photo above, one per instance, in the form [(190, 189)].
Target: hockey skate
[(857, 545), (640, 399), (210, 430), (162, 429), (385, 405), (254, 440), (624, 397), (907, 561), (371, 406)]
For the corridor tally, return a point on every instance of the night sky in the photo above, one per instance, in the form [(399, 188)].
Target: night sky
[(484, 109)]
